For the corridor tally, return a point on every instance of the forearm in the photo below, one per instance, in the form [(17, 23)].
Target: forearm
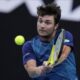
[(35, 71), (61, 59), (64, 54)]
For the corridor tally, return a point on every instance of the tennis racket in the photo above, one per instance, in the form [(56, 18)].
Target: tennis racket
[(56, 48)]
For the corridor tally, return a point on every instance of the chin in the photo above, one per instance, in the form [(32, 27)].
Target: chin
[(44, 36)]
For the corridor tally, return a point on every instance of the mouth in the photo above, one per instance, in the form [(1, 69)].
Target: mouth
[(42, 30)]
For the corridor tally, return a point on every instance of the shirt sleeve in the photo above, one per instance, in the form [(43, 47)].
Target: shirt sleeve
[(27, 52), (68, 40)]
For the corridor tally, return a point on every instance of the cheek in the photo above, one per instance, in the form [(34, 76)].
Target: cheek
[(38, 24), (50, 28)]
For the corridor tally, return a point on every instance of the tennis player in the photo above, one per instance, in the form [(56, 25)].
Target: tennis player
[(37, 50)]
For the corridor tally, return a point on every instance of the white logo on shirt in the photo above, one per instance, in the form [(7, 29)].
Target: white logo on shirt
[(66, 40)]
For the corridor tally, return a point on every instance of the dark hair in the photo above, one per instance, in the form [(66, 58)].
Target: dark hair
[(50, 9)]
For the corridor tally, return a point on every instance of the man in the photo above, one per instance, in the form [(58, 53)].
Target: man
[(37, 51)]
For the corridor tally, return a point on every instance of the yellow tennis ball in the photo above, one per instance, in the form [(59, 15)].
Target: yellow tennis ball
[(19, 40)]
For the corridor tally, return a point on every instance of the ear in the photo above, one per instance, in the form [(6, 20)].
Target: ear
[(56, 26)]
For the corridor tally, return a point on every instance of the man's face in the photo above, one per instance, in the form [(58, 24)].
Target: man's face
[(46, 25)]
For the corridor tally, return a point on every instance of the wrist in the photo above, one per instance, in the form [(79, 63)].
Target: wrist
[(41, 70)]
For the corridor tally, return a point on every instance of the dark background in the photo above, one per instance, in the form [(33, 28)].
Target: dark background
[(21, 22)]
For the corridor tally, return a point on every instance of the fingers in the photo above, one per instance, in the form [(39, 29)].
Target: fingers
[(45, 63), (50, 66), (47, 66)]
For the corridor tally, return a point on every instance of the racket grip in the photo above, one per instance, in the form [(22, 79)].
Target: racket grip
[(52, 62)]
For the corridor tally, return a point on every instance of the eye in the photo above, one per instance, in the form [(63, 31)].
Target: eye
[(47, 22), (40, 21)]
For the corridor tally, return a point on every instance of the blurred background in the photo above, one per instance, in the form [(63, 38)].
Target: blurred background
[(19, 17)]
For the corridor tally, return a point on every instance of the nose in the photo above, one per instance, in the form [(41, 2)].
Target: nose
[(43, 25)]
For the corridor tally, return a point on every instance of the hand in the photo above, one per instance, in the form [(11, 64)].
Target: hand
[(48, 67)]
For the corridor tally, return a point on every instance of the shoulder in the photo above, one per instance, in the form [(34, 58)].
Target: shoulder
[(26, 47), (68, 38), (26, 44), (27, 52), (68, 33)]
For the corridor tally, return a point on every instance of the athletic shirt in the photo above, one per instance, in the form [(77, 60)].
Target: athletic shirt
[(40, 51)]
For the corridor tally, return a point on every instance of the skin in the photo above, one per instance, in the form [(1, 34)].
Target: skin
[(46, 29)]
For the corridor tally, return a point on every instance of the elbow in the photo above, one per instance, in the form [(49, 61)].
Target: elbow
[(33, 74)]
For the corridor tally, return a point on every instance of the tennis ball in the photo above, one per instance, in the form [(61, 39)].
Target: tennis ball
[(19, 40)]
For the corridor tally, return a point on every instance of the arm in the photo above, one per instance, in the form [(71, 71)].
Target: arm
[(65, 52), (29, 61), (67, 47), (33, 70)]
